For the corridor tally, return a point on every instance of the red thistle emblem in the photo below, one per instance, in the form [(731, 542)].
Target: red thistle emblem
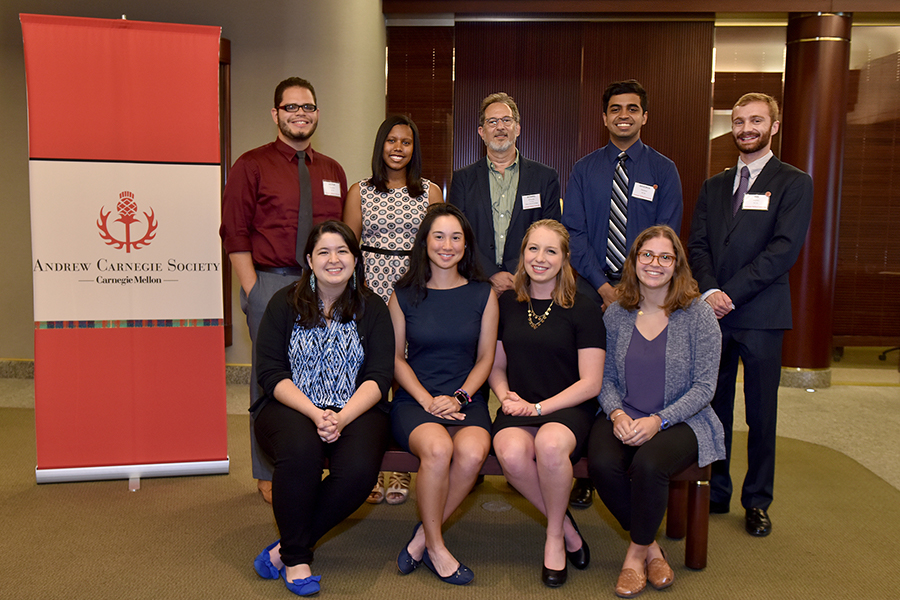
[(127, 209)]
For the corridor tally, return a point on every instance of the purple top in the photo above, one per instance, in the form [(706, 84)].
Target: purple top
[(645, 375)]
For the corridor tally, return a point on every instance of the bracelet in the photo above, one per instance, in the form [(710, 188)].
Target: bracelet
[(462, 396), (613, 419)]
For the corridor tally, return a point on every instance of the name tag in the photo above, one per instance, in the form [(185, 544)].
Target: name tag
[(756, 201), (332, 188), (643, 191), (531, 201)]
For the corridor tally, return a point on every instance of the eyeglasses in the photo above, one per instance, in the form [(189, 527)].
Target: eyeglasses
[(292, 108), (664, 260), (494, 122)]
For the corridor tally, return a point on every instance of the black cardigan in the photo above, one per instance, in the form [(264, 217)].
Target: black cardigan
[(376, 334)]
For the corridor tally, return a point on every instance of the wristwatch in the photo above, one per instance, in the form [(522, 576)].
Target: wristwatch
[(462, 397), (537, 407), (663, 423)]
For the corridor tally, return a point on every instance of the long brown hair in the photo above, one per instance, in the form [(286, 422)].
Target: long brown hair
[(682, 287), (564, 290)]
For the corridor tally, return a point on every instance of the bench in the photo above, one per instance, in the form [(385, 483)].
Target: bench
[(687, 513)]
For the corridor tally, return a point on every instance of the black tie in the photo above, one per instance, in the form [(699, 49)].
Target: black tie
[(304, 213)]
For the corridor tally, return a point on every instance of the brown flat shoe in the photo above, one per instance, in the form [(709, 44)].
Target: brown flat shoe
[(630, 583), (659, 573)]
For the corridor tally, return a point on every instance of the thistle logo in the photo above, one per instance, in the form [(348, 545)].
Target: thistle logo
[(127, 208)]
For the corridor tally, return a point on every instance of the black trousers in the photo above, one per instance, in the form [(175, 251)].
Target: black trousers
[(760, 351), (633, 481), (306, 506)]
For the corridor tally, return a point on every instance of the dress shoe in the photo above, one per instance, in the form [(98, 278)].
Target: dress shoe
[(659, 573), (553, 578), (758, 523), (630, 583), (461, 576), (719, 508), (308, 586), (263, 564), (582, 495), (405, 562), (580, 558)]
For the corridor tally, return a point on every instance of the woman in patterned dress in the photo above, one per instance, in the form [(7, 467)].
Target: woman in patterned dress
[(326, 357), (384, 211)]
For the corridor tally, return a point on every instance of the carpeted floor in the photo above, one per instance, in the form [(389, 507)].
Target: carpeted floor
[(836, 527)]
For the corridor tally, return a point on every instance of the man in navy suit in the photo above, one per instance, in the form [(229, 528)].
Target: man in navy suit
[(504, 193), (748, 227)]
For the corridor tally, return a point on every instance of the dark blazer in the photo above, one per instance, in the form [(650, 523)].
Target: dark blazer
[(748, 256), (470, 191)]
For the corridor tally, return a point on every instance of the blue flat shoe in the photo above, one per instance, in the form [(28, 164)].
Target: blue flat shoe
[(463, 575), (405, 562), (263, 565), (303, 587)]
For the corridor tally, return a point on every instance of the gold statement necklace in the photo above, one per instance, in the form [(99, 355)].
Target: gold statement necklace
[(534, 320)]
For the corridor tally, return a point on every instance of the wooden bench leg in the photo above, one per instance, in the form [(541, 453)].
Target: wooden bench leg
[(676, 513), (697, 525)]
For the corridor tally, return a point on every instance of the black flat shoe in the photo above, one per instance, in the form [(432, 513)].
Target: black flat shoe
[(758, 523), (580, 558), (719, 508), (552, 578), (582, 495)]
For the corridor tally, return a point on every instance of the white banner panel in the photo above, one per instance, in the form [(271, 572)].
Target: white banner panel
[(121, 240)]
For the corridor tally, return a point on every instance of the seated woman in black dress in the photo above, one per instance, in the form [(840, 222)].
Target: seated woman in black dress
[(325, 354), (661, 370), (547, 373), (445, 317)]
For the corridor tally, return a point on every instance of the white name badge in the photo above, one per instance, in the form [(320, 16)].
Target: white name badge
[(643, 191), (755, 202), (332, 188), (531, 201)]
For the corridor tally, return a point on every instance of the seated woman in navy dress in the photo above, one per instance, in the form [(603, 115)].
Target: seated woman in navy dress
[(547, 373), (663, 346), (325, 355), (445, 326)]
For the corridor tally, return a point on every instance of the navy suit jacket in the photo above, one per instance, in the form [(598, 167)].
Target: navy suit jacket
[(748, 256), (470, 191)]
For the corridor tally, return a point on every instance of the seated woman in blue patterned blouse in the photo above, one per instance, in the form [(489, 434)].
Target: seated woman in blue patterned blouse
[(325, 352)]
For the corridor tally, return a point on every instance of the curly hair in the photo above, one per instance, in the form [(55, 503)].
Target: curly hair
[(682, 287), (564, 290)]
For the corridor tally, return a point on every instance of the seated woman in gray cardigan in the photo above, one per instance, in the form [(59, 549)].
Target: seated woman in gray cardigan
[(663, 345)]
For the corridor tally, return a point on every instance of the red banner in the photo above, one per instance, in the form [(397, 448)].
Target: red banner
[(124, 165)]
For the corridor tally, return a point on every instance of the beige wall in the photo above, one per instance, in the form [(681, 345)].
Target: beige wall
[(337, 45)]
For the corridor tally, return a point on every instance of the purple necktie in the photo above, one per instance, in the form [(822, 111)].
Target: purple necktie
[(738, 198)]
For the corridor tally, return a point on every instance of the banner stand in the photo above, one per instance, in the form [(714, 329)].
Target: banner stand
[(131, 472)]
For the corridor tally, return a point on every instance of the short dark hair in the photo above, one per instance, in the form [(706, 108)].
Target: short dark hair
[(419, 272), (350, 305), (413, 170), (293, 82), (629, 86), (501, 97)]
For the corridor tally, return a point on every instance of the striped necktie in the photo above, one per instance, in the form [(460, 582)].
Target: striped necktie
[(618, 217)]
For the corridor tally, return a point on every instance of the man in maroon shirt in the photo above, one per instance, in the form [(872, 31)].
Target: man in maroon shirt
[(260, 210)]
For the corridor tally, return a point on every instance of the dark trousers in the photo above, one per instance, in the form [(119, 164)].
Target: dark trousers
[(760, 351), (306, 506), (633, 481)]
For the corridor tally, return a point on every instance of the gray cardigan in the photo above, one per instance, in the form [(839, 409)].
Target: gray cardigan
[(693, 349)]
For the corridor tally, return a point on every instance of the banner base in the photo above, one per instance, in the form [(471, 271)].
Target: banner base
[(210, 467)]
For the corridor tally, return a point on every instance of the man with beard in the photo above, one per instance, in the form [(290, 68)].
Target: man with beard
[(614, 194), (270, 204), (746, 233), (503, 194)]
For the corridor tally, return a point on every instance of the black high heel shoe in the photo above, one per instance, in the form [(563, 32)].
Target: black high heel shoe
[(553, 578), (580, 558)]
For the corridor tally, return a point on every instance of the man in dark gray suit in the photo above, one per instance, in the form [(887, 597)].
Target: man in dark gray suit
[(504, 193), (748, 227)]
